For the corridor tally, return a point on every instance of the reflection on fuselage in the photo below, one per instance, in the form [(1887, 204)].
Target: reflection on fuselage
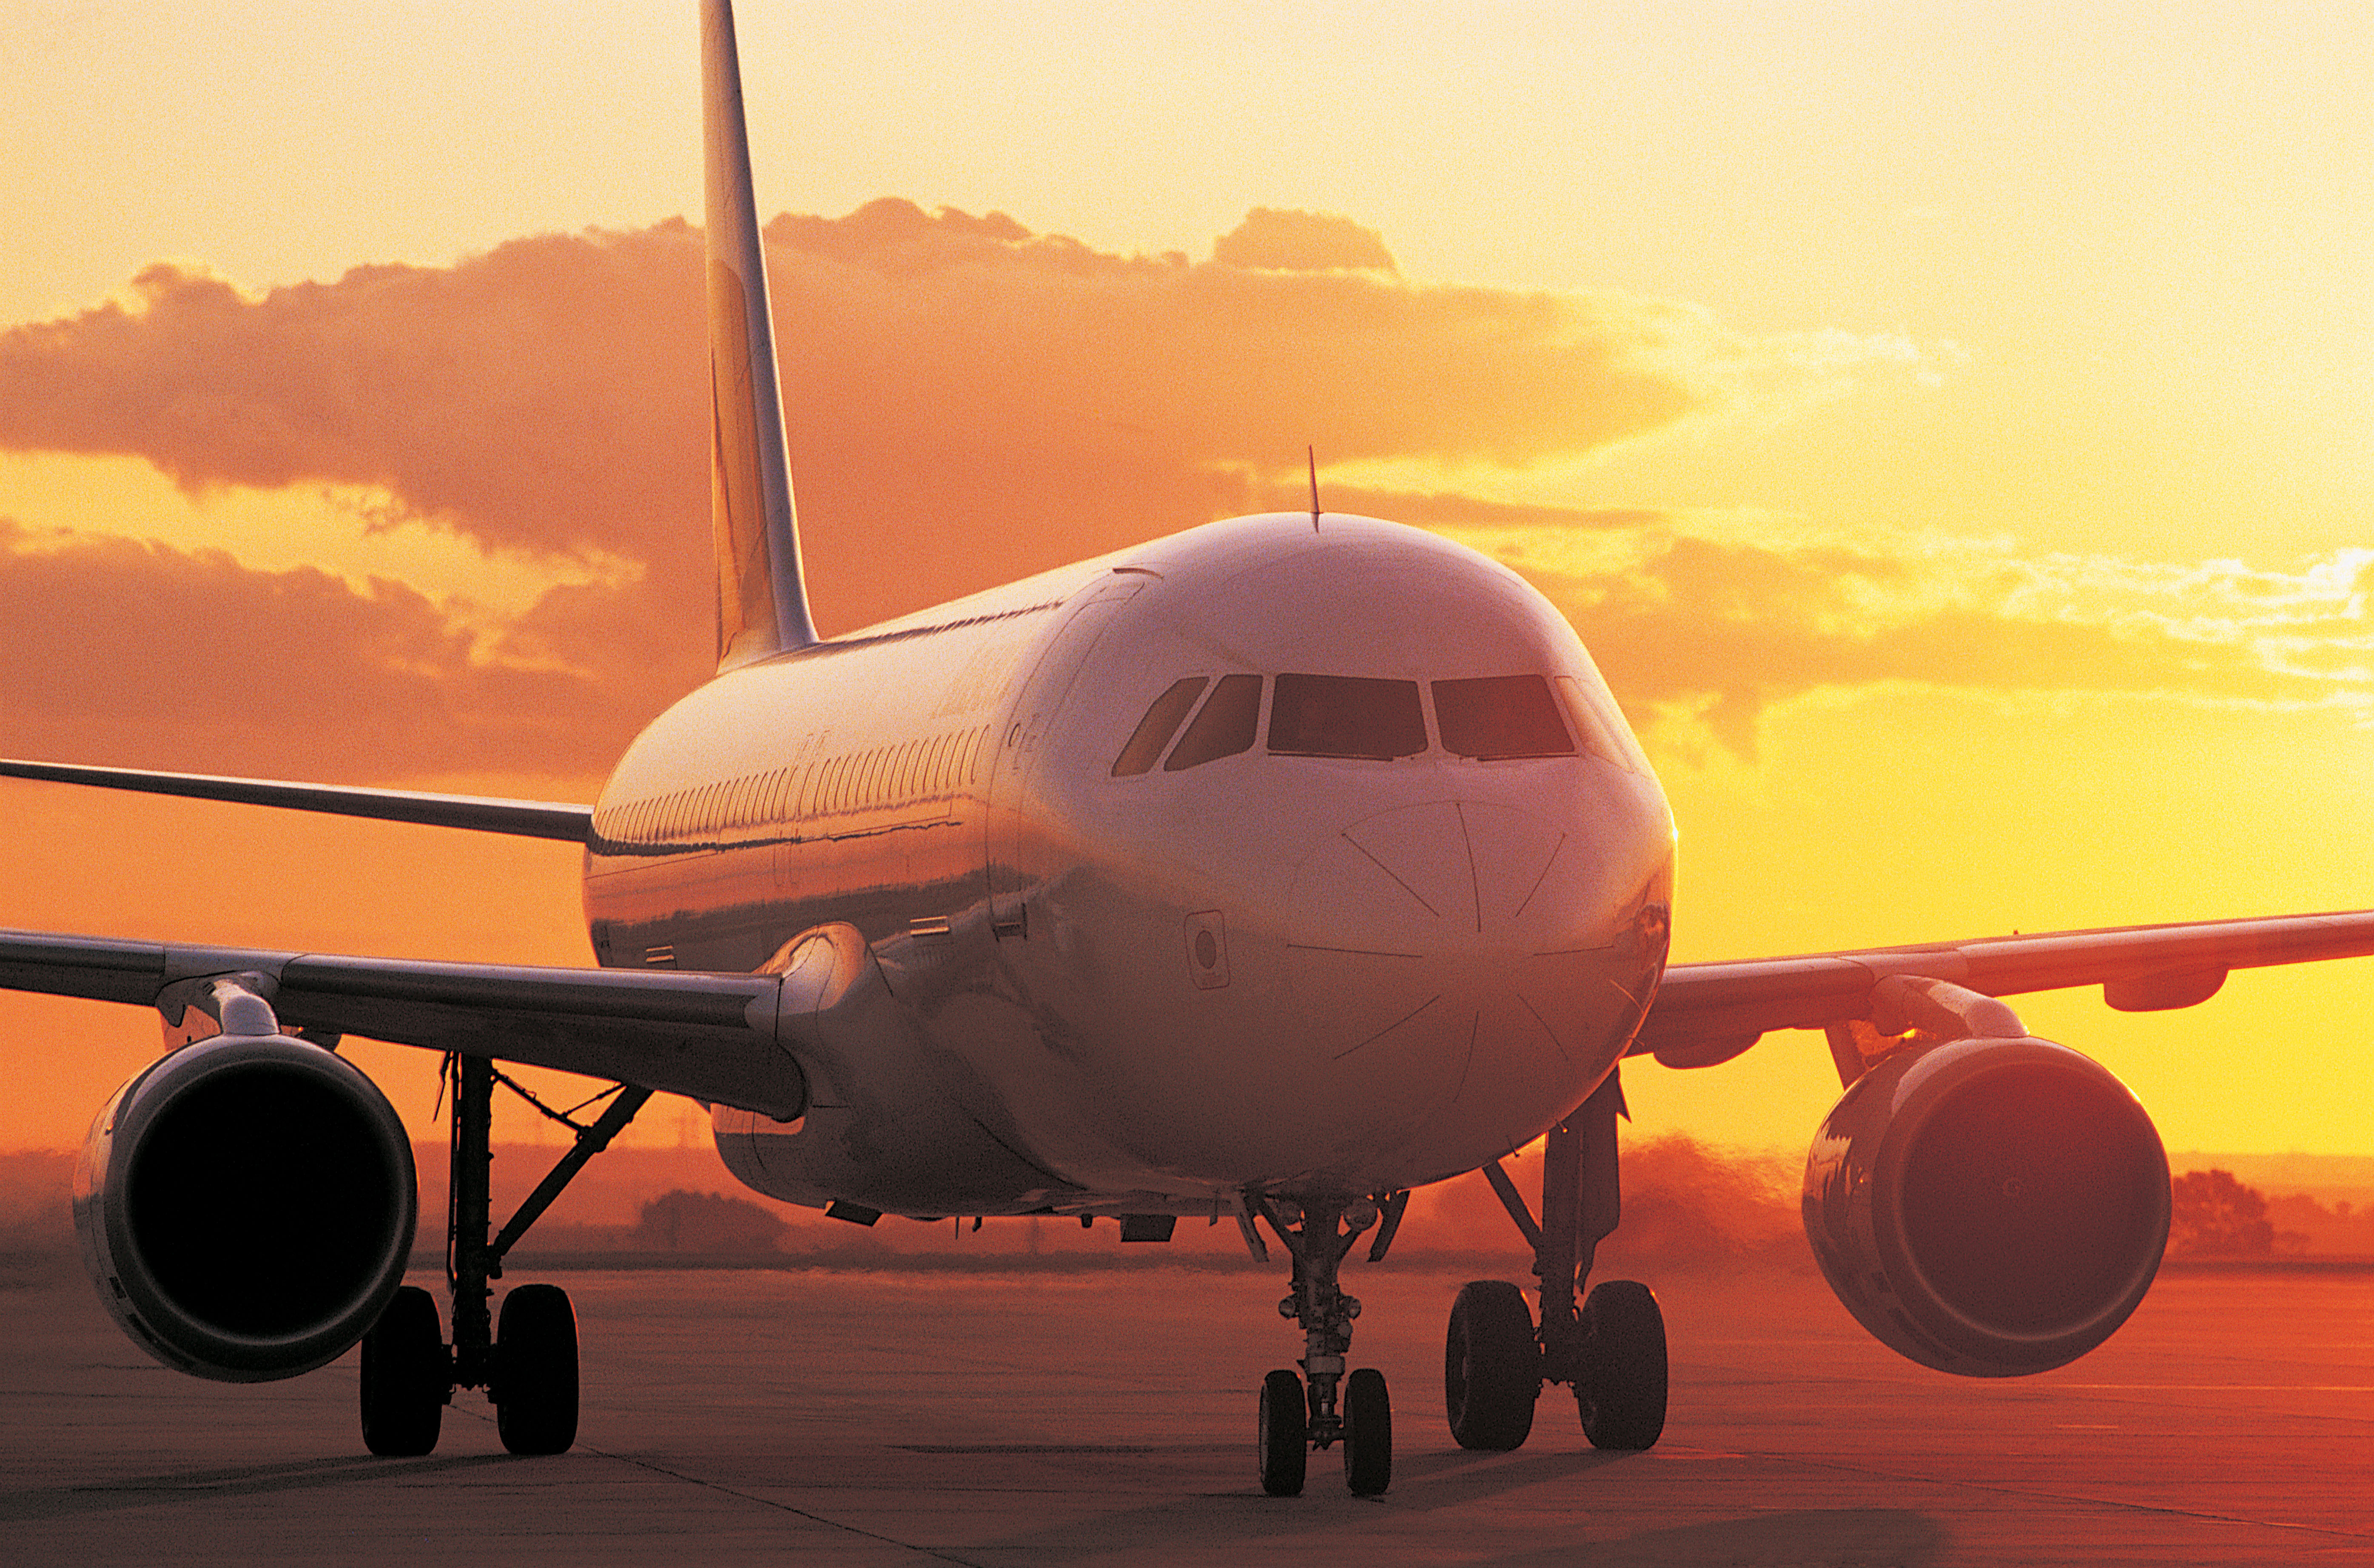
[(1261, 856)]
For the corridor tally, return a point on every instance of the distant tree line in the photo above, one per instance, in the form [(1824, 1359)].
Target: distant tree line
[(705, 1221), (2212, 1214)]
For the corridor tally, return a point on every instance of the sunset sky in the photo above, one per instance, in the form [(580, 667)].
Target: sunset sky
[(1950, 426)]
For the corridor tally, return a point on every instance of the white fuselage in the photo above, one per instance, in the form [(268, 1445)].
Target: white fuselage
[(1152, 989)]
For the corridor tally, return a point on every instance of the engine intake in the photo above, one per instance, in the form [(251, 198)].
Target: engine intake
[(1991, 1207), (246, 1206)]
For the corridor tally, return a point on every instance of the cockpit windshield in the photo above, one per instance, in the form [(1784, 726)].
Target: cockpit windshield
[(1345, 715), (1502, 715), (1488, 719)]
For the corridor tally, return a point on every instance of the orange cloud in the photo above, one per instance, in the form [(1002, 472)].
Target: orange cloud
[(135, 653), (1289, 240), (970, 401), (1721, 631)]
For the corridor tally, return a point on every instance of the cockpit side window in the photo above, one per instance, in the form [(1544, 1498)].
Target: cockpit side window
[(1501, 716), (1226, 726), (1155, 730), (1345, 715), (1606, 733)]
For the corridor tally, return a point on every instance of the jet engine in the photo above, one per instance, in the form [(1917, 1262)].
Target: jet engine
[(246, 1206), (1988, 1207)]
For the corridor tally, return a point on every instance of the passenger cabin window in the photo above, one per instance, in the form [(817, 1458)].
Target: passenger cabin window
[(1502, 715), (1226, 725), (1155, 730), (1345, 715)]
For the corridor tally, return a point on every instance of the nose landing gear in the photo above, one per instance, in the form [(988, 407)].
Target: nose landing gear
[(1356, 1410), (1611, 1352), (1285, 1435)]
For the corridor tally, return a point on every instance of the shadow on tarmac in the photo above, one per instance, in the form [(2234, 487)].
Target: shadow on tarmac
[(1835, 1537), (1436, 1482), (1423, 1483), (245, 1480)]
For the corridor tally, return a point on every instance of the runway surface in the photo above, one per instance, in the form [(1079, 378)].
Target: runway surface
[(1107, 1417)]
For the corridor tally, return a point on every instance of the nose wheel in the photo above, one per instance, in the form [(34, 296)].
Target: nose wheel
[(1284, 1435), (1323, 1406), (1365, 1428), (1368, 1433)]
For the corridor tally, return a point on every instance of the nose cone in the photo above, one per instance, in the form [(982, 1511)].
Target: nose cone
[(1466, 960)]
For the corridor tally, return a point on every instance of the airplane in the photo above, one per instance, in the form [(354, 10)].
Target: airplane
[(1267, 871)]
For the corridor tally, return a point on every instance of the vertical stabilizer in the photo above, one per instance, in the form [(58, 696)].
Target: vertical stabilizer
[(762, 603)]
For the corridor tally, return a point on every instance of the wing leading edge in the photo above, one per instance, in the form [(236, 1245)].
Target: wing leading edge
[(716, 1037), (1707, 1013), (484, 814), (713, 1037)]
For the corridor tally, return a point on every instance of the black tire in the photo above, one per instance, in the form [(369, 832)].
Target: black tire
[(536, 1371), (1284, 1436), (1491, 1367), (1623, 1398), (408, 1377), (1368, 1432)]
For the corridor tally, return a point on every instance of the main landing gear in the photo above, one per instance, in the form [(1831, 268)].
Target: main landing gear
[(527, 1362), (1355, 1410), (1612, 1351)]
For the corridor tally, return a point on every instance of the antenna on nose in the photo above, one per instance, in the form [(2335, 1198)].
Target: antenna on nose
[(1310, 455)]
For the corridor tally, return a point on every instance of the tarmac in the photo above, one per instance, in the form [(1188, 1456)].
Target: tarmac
[(1107, 1417)]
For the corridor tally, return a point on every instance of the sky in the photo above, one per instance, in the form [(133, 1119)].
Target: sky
[(1950, 426)]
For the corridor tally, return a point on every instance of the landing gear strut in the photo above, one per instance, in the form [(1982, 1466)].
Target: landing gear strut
[(1611, 1350), (1355, 1410), (529, 1366)]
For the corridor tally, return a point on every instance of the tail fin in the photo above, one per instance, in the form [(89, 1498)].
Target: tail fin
[(762, 603)]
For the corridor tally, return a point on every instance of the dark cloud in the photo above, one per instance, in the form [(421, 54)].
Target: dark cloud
[(1289, 240)]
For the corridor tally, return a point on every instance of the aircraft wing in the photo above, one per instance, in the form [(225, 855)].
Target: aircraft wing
[(708, 1036), (525, 819), (1707, 1013)]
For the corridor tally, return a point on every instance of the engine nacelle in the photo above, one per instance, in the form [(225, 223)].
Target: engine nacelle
[(246, 1206), (1990, 1207)]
